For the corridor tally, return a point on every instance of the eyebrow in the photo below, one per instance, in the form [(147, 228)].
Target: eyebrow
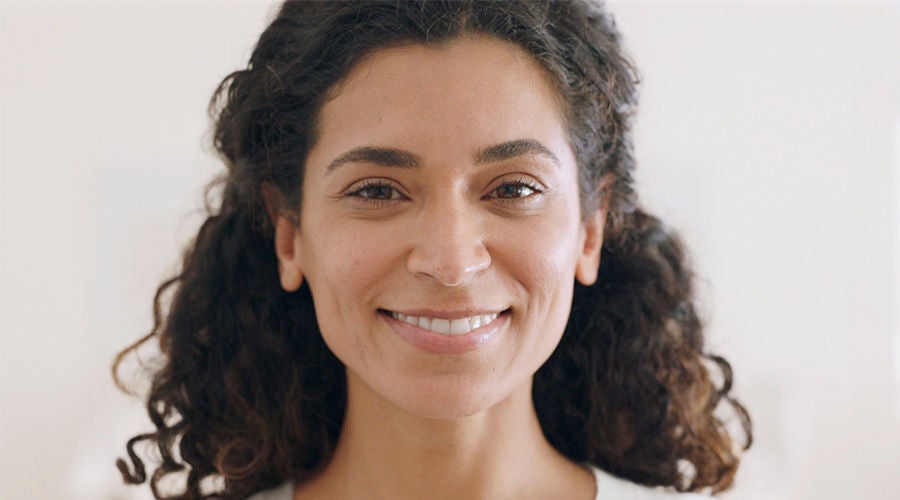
[(512, 149), (398, 158), (384, 157)]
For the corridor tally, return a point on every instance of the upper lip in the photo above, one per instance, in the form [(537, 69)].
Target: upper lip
[(448, 314)]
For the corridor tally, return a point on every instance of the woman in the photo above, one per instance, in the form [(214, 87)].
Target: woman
[(428, 276)]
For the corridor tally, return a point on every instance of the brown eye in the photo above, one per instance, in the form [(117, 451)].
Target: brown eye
[(517, 189), (375, 191)]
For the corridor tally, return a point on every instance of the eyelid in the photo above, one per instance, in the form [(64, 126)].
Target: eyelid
[(355, 189), (518, 180)]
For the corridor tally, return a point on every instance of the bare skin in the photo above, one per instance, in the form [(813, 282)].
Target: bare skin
[(385, 454), (440, 218)]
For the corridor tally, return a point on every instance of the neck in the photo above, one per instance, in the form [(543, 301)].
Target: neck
[(386, 452)]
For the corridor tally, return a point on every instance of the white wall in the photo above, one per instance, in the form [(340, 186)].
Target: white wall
[(767, 134), (104, 162)]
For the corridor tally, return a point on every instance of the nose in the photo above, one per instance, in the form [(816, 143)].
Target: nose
[(449, 244)]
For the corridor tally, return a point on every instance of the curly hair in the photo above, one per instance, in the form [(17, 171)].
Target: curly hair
[(249, 396)]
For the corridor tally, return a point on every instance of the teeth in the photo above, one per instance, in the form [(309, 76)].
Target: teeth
[(440, 325), (459, 326)]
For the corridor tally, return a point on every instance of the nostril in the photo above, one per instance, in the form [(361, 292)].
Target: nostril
[(452, 263)]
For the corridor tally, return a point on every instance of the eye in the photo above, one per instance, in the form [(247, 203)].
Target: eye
[(520, 188), (375, 190)]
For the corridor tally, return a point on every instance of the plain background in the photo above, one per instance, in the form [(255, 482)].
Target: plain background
[(769, 135)]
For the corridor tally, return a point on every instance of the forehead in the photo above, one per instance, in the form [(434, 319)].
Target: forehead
[(467, 92), (463, 58)]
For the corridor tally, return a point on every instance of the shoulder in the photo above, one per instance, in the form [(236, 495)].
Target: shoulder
[(283, 492), (609, 486)]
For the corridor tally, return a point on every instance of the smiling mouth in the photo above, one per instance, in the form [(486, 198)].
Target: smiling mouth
[(444, 326)]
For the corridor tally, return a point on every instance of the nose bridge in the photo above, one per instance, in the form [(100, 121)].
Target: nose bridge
[(449, 244)]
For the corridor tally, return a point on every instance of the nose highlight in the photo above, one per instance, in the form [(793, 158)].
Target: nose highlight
[(448, 248)]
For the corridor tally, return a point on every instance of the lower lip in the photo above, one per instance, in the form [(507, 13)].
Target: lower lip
[(437, 343)]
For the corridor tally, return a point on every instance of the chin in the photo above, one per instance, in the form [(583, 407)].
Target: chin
[(451, 401)]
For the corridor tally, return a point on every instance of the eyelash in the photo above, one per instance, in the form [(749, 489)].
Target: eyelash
[(517, 183), (364, 191), (368, 186)]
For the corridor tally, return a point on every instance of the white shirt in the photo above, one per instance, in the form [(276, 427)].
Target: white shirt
[(608, 487)]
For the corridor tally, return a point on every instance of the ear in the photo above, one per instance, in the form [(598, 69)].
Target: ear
[(287, 239), (589, 260)]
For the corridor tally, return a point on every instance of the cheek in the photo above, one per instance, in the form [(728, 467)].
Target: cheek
[(541, 259), (342, 258), (345, 267), (542, 252), (337, 285)]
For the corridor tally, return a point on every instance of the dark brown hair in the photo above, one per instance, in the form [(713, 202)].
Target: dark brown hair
[(248, 392)]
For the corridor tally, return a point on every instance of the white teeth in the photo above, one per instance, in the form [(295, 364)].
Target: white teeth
[(408, 319), (440, 325), (459, 326)]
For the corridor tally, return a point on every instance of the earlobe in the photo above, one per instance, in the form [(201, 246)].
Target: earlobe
[(288, 253), (589, 260), (286, 238)]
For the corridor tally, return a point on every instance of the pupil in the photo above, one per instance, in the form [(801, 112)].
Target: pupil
[(381, 192), (511, 191)]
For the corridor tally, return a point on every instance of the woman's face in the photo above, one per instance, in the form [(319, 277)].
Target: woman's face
[(440, 231)]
